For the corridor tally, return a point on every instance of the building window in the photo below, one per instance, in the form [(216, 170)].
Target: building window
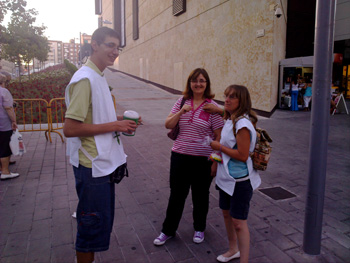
[(119, 20), (98, 7), (135, 19), (179, 7)]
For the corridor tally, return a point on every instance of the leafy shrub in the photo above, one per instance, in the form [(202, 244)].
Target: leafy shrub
[(71, 67), (47, 84)]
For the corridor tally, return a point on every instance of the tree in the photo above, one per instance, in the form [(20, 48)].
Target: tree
[(22, 40), (17, 6), (6, 6), (42, 52)]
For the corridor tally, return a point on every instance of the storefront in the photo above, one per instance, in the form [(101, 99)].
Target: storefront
[(301, 69), (292, 68), (346, 80)]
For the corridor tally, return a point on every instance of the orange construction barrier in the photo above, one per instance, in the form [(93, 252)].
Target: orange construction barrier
[(40, 115)]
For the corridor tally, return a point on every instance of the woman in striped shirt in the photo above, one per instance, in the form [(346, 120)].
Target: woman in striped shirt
[(190, 167)]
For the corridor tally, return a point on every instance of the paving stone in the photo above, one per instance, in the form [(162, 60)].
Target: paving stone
[(59, 180), (273, 253), (120, 217), (278, 238), (178, 250), (43, 212), (126, 235), (16, 244), (13, 190), (134, 253), (22, 222), (300, 256), (45, 187), (61, 235), (255, 234), (332, 248), (203, 252), (19, 258), (262, 259), (161, 256), (39, 250), (255, 251), (41, 229), (60, 172), (60, 254), (332, 221), (59, 190), (138, 220), (146, 235), (297, 238), (114, 254), (60, 202), (336, 236), (278, 223)]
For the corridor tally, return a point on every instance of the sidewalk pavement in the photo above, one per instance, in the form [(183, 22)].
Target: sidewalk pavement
[(36, 208)]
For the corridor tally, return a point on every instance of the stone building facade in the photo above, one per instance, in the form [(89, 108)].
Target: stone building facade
[(237, 42)]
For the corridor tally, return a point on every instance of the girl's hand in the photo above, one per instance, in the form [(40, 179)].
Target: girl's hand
[(211, 108), (215, 145)]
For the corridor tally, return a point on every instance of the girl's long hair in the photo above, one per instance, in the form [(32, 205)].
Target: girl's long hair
[(245, 103)]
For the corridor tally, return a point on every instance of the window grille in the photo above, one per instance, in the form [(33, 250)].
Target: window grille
[(179, 7)]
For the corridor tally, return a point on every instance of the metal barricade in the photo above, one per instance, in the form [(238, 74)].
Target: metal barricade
[(55, 113), (40, 115)]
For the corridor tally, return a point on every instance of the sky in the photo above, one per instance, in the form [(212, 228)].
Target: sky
[(65, 19)]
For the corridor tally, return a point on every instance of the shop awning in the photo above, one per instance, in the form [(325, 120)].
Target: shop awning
[(297, 62)]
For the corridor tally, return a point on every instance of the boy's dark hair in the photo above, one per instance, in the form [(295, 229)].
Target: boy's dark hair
[(101, 33)]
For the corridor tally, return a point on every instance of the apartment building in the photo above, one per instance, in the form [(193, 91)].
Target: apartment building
[(71, 51), (55, 55)]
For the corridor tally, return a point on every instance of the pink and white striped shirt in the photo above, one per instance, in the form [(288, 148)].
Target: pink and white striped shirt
[(194, 126)]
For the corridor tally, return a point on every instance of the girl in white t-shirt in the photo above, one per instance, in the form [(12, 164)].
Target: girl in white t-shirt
[(235, 178)]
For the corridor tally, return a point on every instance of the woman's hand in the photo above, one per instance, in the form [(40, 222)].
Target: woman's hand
[(173, 119), (185, 109), (14, 126)]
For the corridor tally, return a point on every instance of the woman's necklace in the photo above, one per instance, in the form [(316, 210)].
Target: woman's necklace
[(196, 104)]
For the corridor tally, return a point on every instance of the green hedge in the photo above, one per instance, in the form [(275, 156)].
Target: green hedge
[(71, 67)]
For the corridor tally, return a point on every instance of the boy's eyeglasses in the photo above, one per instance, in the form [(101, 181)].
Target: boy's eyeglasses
[(113, 46)]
